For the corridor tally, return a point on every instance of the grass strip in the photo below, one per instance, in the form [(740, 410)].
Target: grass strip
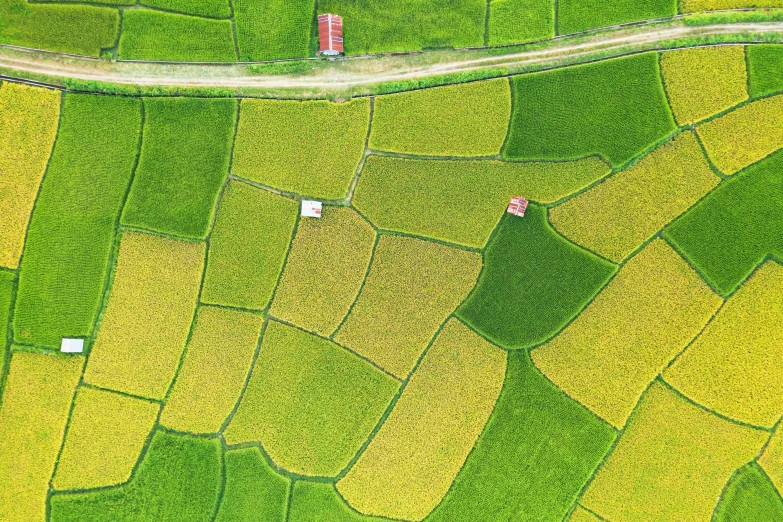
[(519, 21), (749, 496), (6, 300), (273, 30), (764, 65)]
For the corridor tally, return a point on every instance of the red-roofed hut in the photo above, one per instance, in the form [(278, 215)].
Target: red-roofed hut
[(330, 34)]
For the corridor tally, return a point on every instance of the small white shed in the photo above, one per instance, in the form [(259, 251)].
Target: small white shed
[(311, 209), (69, 345)]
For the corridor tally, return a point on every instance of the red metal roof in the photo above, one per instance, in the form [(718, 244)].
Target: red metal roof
[(330, 33), (517, 206)]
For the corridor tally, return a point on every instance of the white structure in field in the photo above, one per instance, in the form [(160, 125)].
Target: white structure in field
[(517, 206), (72, 345), (311, 209)]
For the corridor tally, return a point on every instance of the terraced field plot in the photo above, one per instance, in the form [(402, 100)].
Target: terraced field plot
[(416, 353)]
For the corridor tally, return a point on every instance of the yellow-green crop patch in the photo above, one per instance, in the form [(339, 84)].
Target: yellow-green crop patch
[(309, 402), (580, 514), (461, 201), (148, 315), (615, 217), (771, 461), (413, 285), (105, 437), (517, 21), (670, 463), (458, 120), (217, 361), (703, 81), (411, 462), (247, 247), (643, 318), (697, 6), (29, 117), (33, 415), (325, 269), (732, 367), (311, 148), (744, 135)]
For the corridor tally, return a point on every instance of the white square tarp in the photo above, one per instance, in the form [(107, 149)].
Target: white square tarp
[(72, 345), (311, 209)]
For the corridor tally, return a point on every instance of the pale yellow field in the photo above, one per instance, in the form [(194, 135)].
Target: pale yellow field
[(412, 287), (703, 81), (734, 367), (616, 216), (671, 463), (410, 464), (580, 514), (319, 284), (148, 316), (105, 437), (745, 135), (697, 6), (772, 459), (28, 125), (637, 324), (36, 401), (213, 373)]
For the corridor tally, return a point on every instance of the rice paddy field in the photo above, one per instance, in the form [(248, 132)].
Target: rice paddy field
[(416, 352)]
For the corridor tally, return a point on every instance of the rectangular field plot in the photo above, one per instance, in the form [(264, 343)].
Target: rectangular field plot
[(207, 8), (615, 108), (155, 35), (378, 26), (183, 164), (574, 16), (764, 65), (671, 462), (274, 29), (29, 117), (518, 21), (148, 315), (6, 297), (248, 246), (254, 491), (311, 148), (696, 6), (413, 285), (461, 201), (71, 235), (33, 416), (457, 120)]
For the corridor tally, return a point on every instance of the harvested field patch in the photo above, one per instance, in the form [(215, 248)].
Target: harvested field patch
[(309, 402), (575, 16), (733, 367), (744, 135), (71, 233), (148, 315), (273, 30), (764, 65), (30, 118), (703, 81), (671, 462), (729, 232), (637, 324), (615, 108), (408, 25), (311, 148), (697, 6), (533, 426), (749, 496), (318, 502), (183, 164), (518, 21), (155, 35), (208, 8), (533, 283), (319, 284), (461, 201), (33, 414), (248, 246), (213, 372), (254, 491), (104, 440), (178, 480), (413, 285), (410, 464), (469, 119), (617, 216)]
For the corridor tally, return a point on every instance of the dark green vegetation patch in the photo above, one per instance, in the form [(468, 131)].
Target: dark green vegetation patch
[(728, 233), (155, 35), (69, 241), (319, 502), (273, 29), (536, 453), (615, 108), (6, 294), (208, 8), (254, 491), (517, 21), (178, 481), (765, 63), (574, 16), (184, 161), (749, 497), (534, 282)]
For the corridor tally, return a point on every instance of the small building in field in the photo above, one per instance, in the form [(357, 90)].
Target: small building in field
[(330, 34), (517, 206), (311, 209), (72, 345)]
